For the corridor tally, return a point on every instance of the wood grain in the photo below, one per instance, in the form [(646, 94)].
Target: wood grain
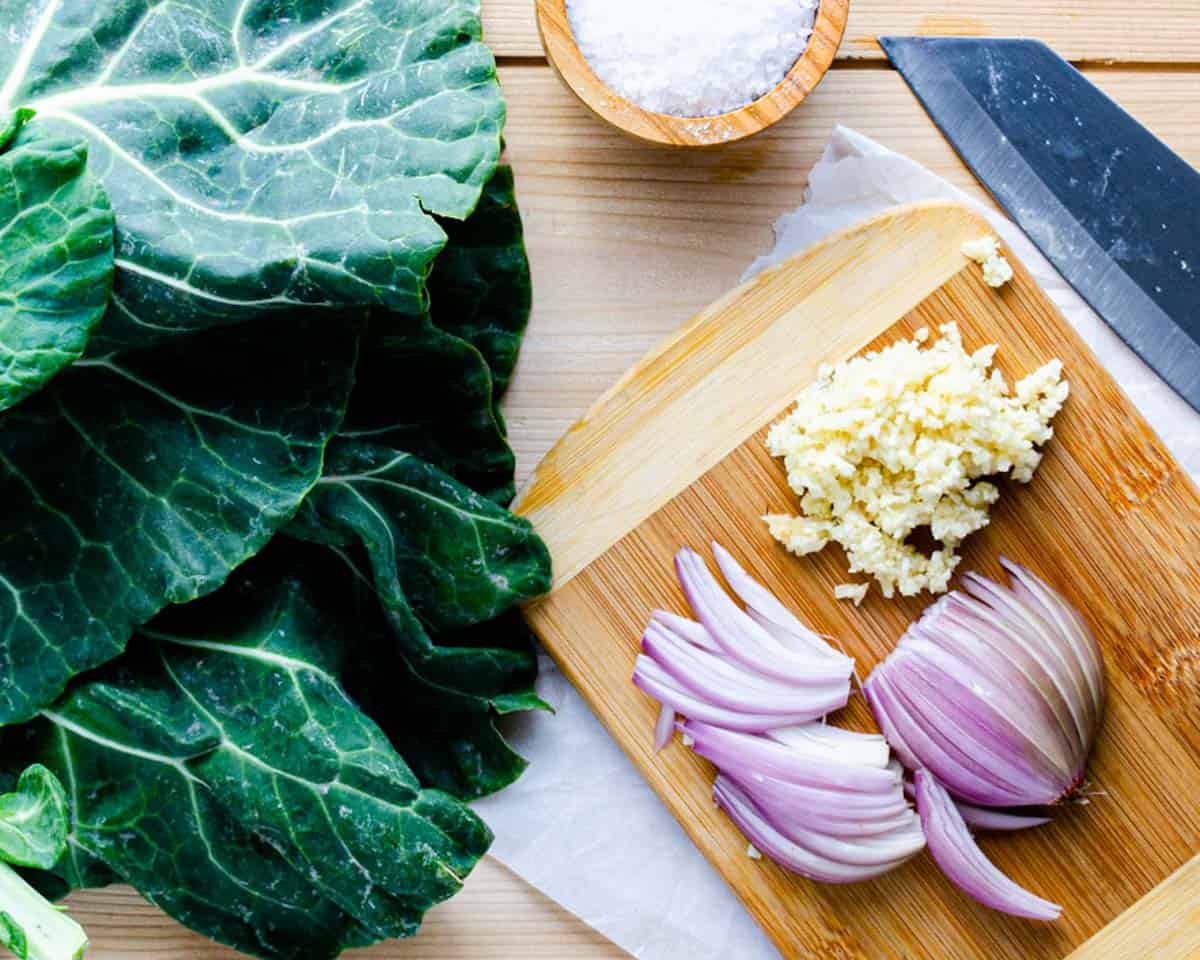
[(568, 61), (1163, 925), (1095, 520), (1154, 31), (627, 240), (496, 917)]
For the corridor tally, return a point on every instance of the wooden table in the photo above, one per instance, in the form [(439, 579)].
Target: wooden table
[(629, 241)]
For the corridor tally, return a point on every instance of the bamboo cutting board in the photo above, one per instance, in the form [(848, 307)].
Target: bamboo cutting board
[(674, 455)]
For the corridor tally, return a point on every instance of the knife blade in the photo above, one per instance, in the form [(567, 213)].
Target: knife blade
[(1107, 202)]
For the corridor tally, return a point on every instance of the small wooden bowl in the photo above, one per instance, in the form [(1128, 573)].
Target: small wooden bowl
[(569, 62)]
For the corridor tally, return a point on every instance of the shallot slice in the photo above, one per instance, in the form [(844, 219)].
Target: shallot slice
[(764, 837), (989, 818), (742, 756), (811, 830), (982, 818), (727, 686), (764, 607), (836, 803), (955, 850), (848, 746), (664, 729), (1066, 619), (649, 677), (741, 638), (690, 630)]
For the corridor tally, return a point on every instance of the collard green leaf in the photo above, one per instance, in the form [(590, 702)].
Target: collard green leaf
[(480, 287), (33, 820), (450, 739), (424, 391), (264, 153), (56, 259), (221, 768), (430, 385), (447, 736), (140, 817), (33, 833), (442, 558), (134, 482)]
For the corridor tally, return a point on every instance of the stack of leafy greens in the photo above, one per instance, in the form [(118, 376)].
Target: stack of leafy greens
[(262, 286)]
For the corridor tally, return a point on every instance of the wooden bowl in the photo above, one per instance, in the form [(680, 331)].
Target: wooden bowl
[(567, 59)]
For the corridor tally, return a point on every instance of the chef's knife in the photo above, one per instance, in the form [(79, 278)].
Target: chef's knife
[(1104, 199)]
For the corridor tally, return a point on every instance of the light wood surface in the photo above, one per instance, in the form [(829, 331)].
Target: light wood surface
[(1152, 31), (627, 242), (674, 455), (496, 917), (568, 61)]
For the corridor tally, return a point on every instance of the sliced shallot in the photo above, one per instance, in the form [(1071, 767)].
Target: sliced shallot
[(690, 630), (664, 729), (744, 640), (847, 746), (759, 831), (989, 818), (955, 850), (729, 686), (741, 756), (764, 607), (751, 689), (649, 677)]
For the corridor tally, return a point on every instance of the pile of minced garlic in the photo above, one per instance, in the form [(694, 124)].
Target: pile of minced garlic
[(896, 440), (692, 58)]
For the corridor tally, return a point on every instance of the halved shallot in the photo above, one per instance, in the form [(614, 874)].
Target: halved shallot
[(993, 699), (997, 691)]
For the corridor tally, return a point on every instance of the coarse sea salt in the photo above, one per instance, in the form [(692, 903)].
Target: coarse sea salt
[(692, 58)]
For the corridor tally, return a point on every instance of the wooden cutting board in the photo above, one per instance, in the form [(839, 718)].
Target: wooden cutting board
[(674, 455)]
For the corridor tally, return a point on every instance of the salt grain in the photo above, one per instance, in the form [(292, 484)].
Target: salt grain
[(692, 58)]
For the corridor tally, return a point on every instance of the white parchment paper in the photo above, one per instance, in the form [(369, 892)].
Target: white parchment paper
[(581, 825)]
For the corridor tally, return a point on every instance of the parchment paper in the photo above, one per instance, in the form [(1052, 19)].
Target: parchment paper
[(581, 825)]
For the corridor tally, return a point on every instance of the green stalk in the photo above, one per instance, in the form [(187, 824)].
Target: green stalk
[(32, 927)]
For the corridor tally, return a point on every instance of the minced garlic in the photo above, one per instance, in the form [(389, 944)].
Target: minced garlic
[(897, 440), (985, 251), (852, 591)]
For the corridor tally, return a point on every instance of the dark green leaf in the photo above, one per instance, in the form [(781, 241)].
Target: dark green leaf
[(264, 153), (442, 558), (448, 737), (430, 385), (33, 820), (480, 286), (56, 259), (135, 482), (141, 817), (429, 393)]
